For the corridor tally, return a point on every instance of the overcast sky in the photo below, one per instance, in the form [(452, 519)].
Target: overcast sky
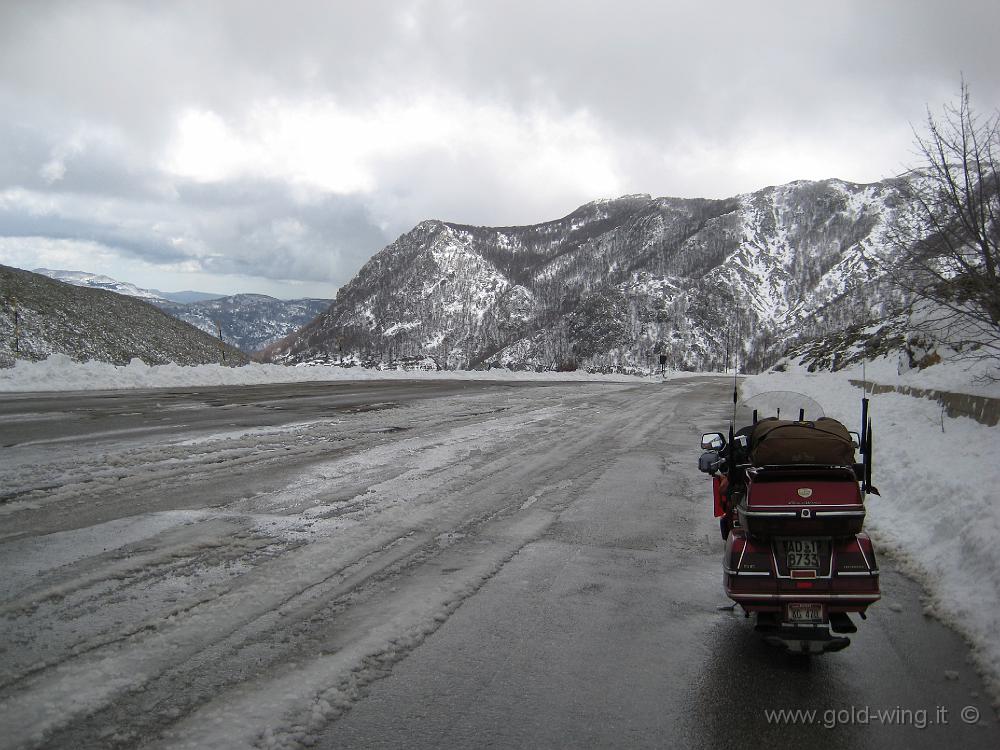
[(273, 147)]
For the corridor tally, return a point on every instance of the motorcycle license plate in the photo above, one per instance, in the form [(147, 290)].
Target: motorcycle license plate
[(804, 612), (802, 553)]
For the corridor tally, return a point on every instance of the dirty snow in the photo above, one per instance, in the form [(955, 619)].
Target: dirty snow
[(60, 373), (233, 588)]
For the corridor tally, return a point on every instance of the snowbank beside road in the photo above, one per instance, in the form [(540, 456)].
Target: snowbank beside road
[(970, 376), (938, 514), (60, 373)]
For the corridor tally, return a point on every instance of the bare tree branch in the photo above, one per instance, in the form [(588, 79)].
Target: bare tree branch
[(947, 244)]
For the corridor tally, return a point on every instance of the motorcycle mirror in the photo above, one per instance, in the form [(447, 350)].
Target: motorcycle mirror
[(712, 441)]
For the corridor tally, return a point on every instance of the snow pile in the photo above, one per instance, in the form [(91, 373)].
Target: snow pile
[(958, 377), (938, 513), (939, 334), (60, 373)]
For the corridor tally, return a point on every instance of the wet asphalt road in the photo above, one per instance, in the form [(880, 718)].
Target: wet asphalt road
[(605, 647), (609, 629), (106, 415)]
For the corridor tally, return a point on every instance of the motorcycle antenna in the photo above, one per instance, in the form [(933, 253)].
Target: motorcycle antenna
[(736, 369), (866, 434), (864, 408), (732, 426)]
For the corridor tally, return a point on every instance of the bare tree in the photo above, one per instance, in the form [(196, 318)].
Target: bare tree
[(948, 238)]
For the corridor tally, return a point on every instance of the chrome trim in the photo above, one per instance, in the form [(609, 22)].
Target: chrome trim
[(727, 571), (871, 573), (839, 512), (862, 551), (769, 513), (737, 596), (739, 564), (813, 506)]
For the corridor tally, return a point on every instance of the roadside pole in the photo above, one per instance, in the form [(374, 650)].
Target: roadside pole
[(222, 344)]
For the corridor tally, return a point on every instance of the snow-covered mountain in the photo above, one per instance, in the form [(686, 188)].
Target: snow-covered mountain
[(248, 321), (53, 317), (617, 283), (97, 281)]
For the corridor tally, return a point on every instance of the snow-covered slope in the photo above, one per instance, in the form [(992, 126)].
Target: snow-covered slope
[(615, 284), (248, 321), (97, 281), (94, 324)]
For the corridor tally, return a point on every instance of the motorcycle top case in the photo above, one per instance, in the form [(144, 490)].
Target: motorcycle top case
[(775, 442), (800, 501)]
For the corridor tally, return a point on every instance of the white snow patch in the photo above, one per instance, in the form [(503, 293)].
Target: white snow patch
[(60, 373), (22, 559), (549, 488), (250, 432), (397, 327)]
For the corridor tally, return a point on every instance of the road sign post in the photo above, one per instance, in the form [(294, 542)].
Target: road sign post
[(222, 343)]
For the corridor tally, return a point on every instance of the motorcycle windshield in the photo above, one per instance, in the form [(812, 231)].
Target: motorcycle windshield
[(780, 404)]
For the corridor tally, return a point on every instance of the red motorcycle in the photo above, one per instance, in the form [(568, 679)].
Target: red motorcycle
[(791, 501)]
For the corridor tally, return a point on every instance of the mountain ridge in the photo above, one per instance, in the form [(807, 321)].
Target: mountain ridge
[(248, 321), (42, 316), (614, 284)]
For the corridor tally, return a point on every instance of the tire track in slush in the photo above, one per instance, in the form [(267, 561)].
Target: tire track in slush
[(362, 603)]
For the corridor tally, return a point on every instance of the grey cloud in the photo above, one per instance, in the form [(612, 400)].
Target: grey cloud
[(136, 65), (137, 245), (264, 229), (658, 70), (24, 152), (650, 69), (255, 229), (655, 77), (106, 194), (463, 190), (91, 162)]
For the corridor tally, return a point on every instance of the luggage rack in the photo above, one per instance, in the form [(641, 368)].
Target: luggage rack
[(775, 472)]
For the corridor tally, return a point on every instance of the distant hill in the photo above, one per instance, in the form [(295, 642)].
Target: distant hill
[(95, 324), (248, 321), (97, 281)]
